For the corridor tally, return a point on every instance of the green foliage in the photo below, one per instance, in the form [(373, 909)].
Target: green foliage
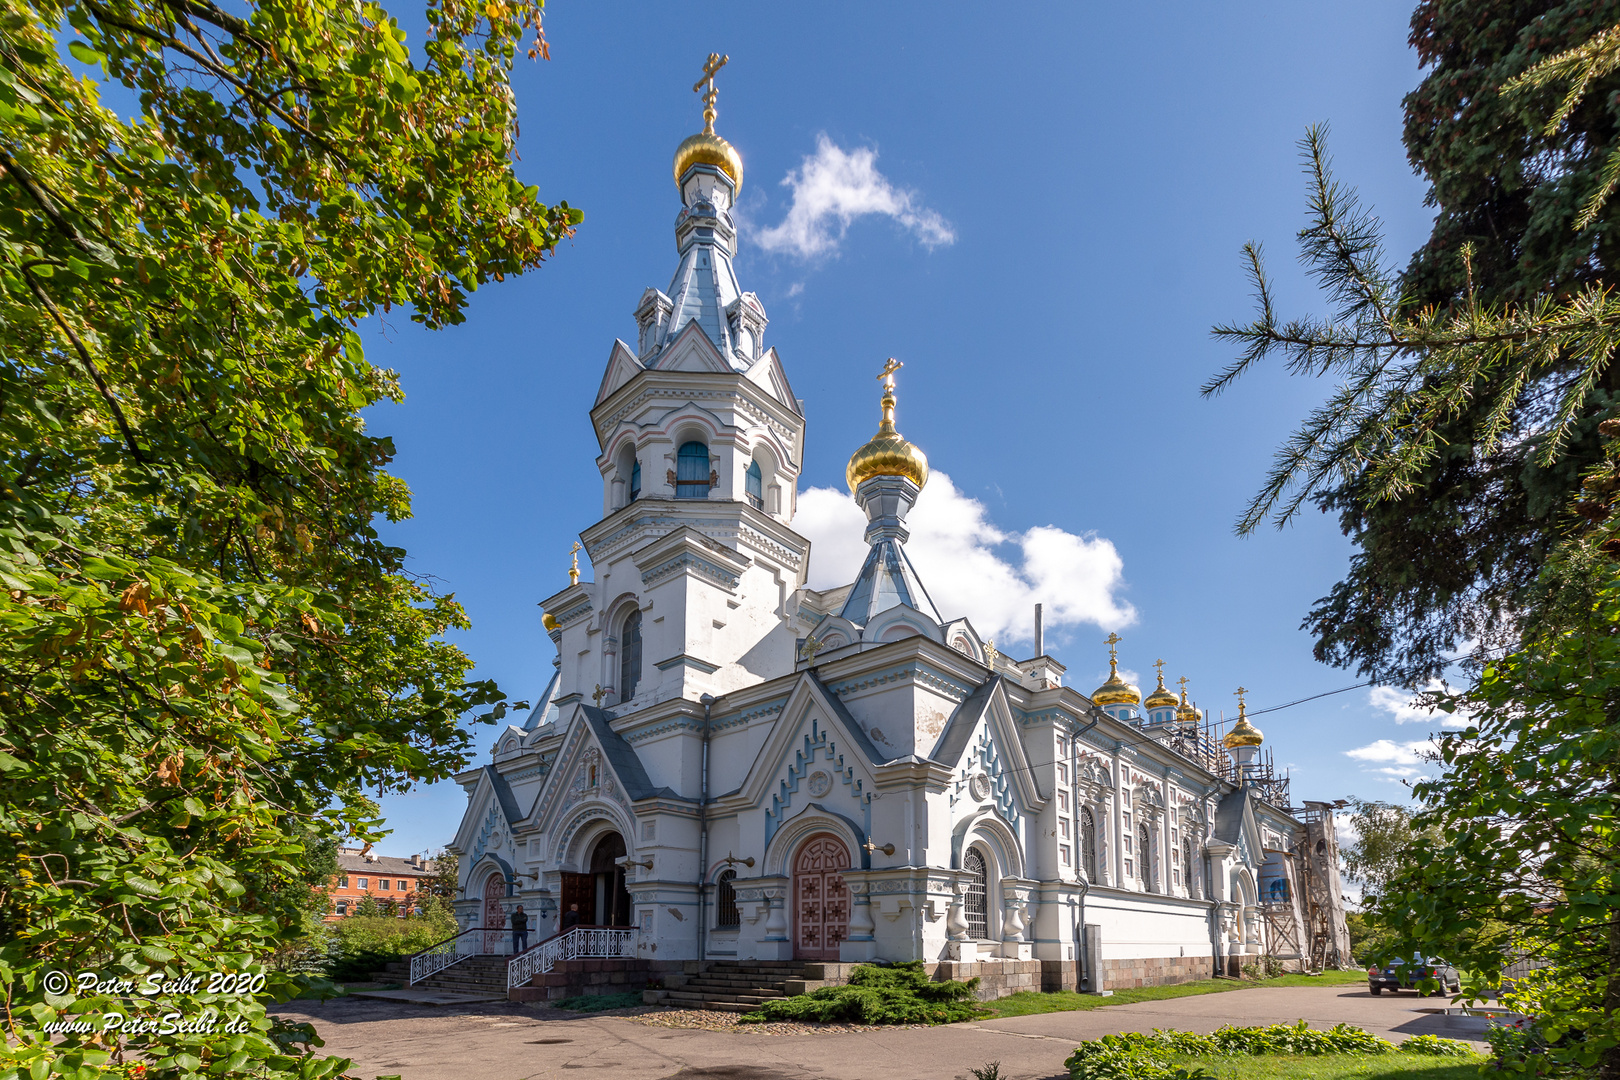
[(363, 943), (207, 654), (1160, 1055), (442, 883), (598, 1002), (879, 994), (1030, 1002)]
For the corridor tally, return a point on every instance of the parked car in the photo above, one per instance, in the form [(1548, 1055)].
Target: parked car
[(1403, 974)]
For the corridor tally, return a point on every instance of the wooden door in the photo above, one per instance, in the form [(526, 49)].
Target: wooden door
[(820, 900), (494, 915), (578, 889)]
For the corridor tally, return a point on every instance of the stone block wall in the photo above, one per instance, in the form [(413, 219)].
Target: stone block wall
[(578, 978), (997, 978), (1159, 971)]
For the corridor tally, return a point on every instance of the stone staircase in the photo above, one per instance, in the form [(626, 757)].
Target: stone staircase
[(482, 975), (737, 985)]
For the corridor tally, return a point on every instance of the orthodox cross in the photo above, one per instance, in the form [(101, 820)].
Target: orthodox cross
[(573, 573), (599, 695), (1240, 691), (1182, 682), (990, 654), (1159, 665), (705, 86), (1112, 641), (887, 374), (811, 647)]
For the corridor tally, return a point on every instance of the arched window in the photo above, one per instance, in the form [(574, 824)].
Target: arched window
[(1088, 843), (692, 471), (630, 656), (976, 903), (726, 916), (1186, 864), (1144, 866), (635, 480), (756, 486)]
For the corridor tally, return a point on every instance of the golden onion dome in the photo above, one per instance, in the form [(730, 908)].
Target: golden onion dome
[(1116, 691), (1243, 733), (1162, 697), (887, 453), (707, 148)]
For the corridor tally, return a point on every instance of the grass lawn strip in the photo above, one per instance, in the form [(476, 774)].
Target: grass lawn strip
[(1030, 1002), (1293, 1050)]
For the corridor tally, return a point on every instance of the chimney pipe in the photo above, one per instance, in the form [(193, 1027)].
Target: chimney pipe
[(1040, 645)]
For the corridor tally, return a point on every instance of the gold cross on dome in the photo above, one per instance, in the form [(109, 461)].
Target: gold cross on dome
[(1182, 682), (886, 376), (573, 573), (1159, 666), (705, 86), (1240, 691), (1112, 641)]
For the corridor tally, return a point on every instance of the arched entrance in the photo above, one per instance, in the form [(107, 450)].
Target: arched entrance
[(820, 900), (494, 914), (610, 899)]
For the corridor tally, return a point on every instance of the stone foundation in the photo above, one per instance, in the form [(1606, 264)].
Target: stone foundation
[(1160, 971), (578, 978), (997, 978)]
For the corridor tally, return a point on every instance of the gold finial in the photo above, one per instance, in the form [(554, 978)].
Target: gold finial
[(1161, 698), (1116, 691), (1112, 641), (887, 453), (1243, 733), (705, 86), (1159, 666), (573, 573), (990, 654), (1182, 682), (1242, 706)]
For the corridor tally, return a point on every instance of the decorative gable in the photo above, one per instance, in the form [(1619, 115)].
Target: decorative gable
[(622, 366)]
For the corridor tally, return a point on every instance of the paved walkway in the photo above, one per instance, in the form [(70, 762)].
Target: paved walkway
[(516, 1042)]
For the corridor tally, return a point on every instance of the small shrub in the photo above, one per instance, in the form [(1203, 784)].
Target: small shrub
[(878, 994), (1134, 1056), (1436, 1046), (991, 1071)]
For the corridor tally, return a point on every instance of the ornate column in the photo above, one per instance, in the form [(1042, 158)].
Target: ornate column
[(956, 925), (861, 944), (1017, 896)]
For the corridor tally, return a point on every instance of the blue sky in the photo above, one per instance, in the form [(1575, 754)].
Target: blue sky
[(1058, 197)]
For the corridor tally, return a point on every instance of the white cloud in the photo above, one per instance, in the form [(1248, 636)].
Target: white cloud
[(834, 187), (1388, 750), (1403, 706), (955, 547)]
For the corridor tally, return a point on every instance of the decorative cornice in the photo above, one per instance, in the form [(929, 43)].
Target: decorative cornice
[(915, 669)]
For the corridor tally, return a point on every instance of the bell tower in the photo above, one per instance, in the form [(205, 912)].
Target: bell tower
[(701, 439)]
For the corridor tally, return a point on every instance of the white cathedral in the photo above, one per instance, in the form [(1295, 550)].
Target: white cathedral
[(737, 767)]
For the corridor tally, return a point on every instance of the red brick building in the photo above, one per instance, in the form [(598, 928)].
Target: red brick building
[(388, 879)]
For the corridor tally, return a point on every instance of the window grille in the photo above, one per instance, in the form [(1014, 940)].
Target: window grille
[(692, 471), (1088, 842), (978, 894), (726, 916), (1143, 845), (630, 656), (756, 486)]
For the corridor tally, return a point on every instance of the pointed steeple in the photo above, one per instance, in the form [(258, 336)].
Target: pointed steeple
[(704, 290), (886, 476)]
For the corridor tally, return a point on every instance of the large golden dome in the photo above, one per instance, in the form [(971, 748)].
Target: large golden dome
[(707, 148), (1243, 733), (1116, 691), (1161, 698), (887, 453)]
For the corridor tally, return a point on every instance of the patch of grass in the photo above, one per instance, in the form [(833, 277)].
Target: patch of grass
[(1331, 1067), (598, 1002), (1029, 1002)]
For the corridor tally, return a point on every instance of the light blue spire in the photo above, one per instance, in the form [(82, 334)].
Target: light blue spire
[(887, 578)]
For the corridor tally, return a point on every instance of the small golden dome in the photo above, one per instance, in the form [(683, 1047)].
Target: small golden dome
[(1243, 733), (1186, 713), (1116, 691), (887, 453), (549, 621), (707, 148), (1161, 698)]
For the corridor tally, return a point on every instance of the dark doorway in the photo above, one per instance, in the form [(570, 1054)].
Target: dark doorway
[(611, 902)]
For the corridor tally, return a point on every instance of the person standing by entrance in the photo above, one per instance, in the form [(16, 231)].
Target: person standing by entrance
[(520, 930), (570, 918)]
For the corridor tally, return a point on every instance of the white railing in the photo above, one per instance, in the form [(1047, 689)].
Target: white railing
[(451, 950), (582, 942)]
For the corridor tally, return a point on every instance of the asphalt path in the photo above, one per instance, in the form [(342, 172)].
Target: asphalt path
[(501, 1041)]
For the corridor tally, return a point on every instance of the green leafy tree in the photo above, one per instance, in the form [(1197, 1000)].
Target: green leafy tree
[(1459, 559), (207, 653), (1386, 841), (441, 884)]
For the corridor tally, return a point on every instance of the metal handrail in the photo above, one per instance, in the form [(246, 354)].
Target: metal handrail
[(443, 954), (595, 942)]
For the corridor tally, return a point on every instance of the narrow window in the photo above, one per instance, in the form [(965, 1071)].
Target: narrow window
[(1088, 842), (756, 486), (726, 916), (1143, 851), (635, 480), (343, 882), (630, 656), (692, 471), (1186, 862), (978, 895)]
